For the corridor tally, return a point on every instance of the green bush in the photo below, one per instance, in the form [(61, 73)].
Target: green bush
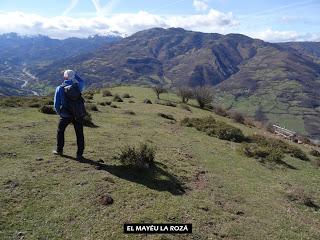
[(298, 153), (34, 101), (280, 144), (142, 157), (114, 106), (105, 103), (87, 121), (147, 101), (262, 153), (230, 133), (126, 95), (117, 98), (88, 95), (92, 107), (215, 128), (166, 116), (47, 109)]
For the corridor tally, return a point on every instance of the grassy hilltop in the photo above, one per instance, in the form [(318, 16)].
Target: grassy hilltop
[(197, 178)]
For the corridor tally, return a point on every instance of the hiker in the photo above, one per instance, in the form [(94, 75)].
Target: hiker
[(69, 104)]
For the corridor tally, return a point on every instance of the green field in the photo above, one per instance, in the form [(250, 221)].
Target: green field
[(198, 179)]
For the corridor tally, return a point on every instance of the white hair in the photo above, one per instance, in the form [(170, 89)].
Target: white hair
[(69, 74)]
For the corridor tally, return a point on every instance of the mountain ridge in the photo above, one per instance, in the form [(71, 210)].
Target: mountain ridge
[(279, 80)]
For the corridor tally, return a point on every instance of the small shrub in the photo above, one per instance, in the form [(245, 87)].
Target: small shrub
[(106, 103), (315, 153), (35, 105), (219, 110), (126, 95), (114, 106), (166, 116), (117, 98), (131, 101), (277, 143), (47, 109), (275, 155), (129, 112), (166, 103), (237, 117), (87, 121), (215, 128), (92, 107), (185, 94), (147, 101), (262, 153), (185, 107), (203, 96), (210, 107), (298, 153), (229, 133), (106, 93), (88, 95), (142, 157), (158, 89)]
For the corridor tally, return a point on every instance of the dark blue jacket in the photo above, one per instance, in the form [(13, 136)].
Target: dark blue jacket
[(59, 97)]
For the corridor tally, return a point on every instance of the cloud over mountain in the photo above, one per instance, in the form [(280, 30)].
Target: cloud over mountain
[(285, 36), (126, 23)]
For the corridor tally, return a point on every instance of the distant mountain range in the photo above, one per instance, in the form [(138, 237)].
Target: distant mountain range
[(276, 82), (19, 53)]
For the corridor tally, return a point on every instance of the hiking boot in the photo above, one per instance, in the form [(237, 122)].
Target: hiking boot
[(55, 152)]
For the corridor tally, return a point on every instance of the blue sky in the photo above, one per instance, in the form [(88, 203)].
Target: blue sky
[(282, 20)]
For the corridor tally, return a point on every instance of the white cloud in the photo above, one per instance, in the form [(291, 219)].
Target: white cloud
[(200, 5), (285, 36), (64, 26), (129, 23)]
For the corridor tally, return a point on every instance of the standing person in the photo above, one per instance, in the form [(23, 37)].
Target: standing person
[(69, 104)]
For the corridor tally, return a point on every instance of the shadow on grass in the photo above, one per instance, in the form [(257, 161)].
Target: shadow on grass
[(278, 163), (154, 178), (287, 165)]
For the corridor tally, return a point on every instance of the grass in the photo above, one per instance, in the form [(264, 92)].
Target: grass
[(197, 178)]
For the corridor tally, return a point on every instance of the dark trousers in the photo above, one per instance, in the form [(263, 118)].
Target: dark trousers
[(78, 128)]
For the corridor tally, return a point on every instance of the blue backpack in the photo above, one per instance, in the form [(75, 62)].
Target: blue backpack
[(74, 100)]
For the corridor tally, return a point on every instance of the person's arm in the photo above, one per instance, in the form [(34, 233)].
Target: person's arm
[(80, 81), (57, 100)]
